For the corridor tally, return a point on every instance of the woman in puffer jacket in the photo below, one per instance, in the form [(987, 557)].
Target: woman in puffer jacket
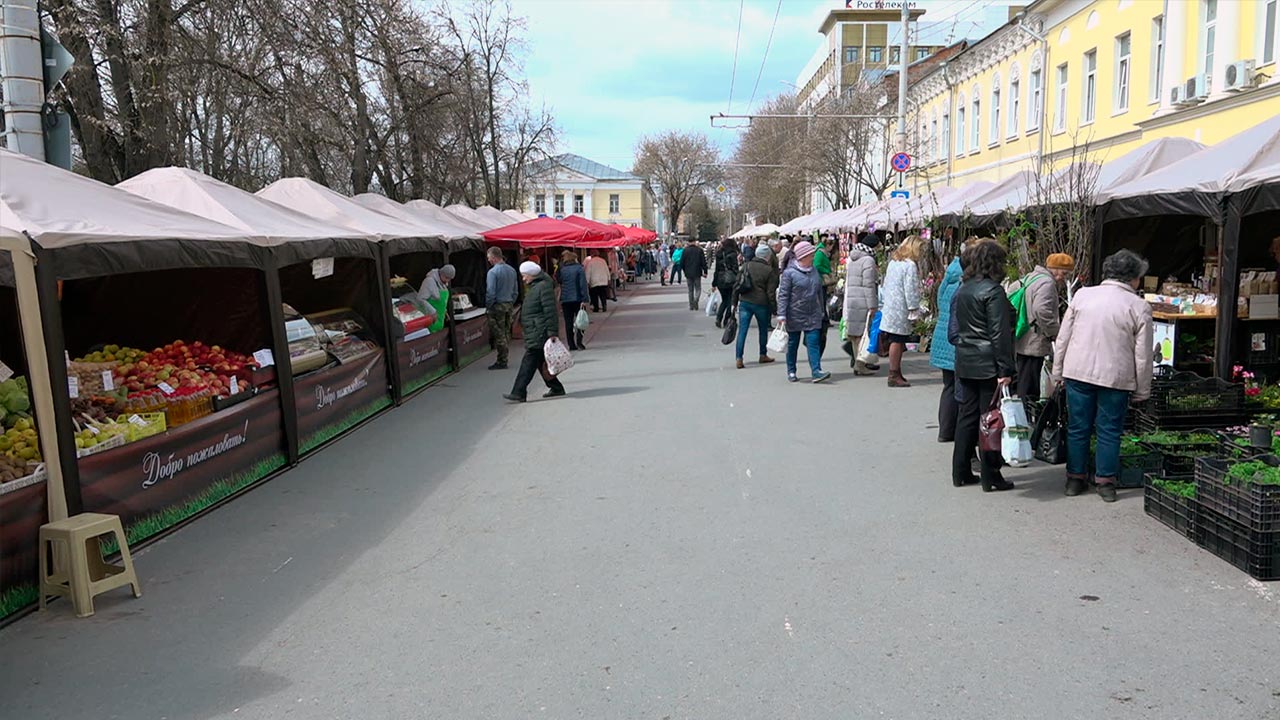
[(942, 354), (861, 296)]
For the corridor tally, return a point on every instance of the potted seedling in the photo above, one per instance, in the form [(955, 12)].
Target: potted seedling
[(1261, 430)]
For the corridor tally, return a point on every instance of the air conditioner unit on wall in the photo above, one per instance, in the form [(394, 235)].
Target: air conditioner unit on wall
[(1239, 75), (1194, 89), (1177, 95)]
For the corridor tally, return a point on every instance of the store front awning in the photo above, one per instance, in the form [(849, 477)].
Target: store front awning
[(311, 198)]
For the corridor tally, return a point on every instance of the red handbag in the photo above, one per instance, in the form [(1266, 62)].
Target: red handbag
[(991, 426)]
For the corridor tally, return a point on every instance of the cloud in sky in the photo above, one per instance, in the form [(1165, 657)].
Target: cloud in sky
[(614, 70)]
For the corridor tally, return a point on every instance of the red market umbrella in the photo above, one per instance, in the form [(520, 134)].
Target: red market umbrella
[(543, 232), (608, 231)]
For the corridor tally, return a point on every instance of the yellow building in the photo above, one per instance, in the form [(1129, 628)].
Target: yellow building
[(573, 185), (1095, 78)]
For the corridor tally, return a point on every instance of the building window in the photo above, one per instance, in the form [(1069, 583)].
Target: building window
[(1122, 73), (577, 204), (946, 135), (1210, 39), (960, 136), (559, 203), (994, 131), (615, 204), (1156, 75), (1033, 109), (922, 53), (540, 204), (1090, 86), (895, 55), (1269, 31), (975, 118), (875, 54), (933, 137), (1060, 110), (1015, 104), (851, 54)]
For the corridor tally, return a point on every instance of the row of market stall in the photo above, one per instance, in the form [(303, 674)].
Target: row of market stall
[(173, 340), (1199, 214)]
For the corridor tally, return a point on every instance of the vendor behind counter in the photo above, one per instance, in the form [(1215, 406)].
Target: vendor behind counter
[(435, 292)]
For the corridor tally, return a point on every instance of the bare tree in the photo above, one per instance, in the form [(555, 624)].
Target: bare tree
[(1060, 213), (769, 171), (845, 153), (682, 164)]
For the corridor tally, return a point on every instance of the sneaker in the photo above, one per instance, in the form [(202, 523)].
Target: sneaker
[(554, 393), (822, 375), (791, 377), (511, 397), (1107, 491), (498, 366)]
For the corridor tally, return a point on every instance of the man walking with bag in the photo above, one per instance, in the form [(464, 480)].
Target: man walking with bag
[(501, 289), (540, 320)]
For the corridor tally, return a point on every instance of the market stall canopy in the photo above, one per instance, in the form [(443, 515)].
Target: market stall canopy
[(470, 214), (795, 225), (494, 215), (638, 234), (764, 230), (1197, 184), (850, 218), (953, 205), (744, 232), (432, 210), (458, 236), (923, 207), (887, 213), (611, 235), (516, 215), (542, 232), (299, 237), (815, 221), (92, 229), (312, 198), (1014, 191)]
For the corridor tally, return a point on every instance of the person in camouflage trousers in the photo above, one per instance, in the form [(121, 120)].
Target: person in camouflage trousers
[(501, 291)]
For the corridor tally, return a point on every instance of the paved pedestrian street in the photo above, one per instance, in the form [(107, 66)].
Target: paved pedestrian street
[(674, 539)]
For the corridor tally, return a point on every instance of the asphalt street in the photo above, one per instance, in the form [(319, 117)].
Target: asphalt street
[(674, 539)]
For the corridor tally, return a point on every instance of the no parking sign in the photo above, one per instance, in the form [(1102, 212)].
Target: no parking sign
[(901, 162)]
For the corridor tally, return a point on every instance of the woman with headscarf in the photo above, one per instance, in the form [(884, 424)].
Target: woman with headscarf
[(726, 278), (861, 297), (901, 303), (435, 292)]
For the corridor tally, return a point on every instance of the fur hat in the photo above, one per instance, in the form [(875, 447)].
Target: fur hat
[(530, 268)]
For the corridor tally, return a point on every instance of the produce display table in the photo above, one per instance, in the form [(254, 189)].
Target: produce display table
[(422, 361), (160, 480), (471, 338)]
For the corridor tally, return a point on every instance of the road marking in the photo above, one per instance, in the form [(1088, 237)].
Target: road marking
[(786, 625)]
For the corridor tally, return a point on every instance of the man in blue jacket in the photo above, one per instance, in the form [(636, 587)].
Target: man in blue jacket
[(500, 292)]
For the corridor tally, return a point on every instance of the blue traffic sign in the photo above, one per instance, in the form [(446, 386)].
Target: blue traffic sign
[(904, 194), (901, 162)]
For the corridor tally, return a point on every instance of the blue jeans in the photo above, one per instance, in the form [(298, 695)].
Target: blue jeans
[(1092, 408), (746, 311), (811, 344)]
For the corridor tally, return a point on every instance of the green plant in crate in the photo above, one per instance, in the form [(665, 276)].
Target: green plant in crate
[(1254, 472), (1183, 488), (1194, 401)]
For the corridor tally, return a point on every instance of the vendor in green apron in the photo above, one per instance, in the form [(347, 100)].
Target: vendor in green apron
[(435, 292)]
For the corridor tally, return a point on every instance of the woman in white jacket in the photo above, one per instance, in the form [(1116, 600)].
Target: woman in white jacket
[(901, 301)]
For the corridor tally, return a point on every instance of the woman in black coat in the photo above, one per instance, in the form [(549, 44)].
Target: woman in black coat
[(725, 278), (982, 332)]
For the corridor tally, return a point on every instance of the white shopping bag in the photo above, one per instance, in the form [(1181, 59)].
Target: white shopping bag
[(777, 340), (1015, 440), (558, 357), (713, 304), (582, 321)]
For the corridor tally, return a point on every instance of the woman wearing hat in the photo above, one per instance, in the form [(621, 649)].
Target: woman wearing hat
[(540, 320), (1043, 302), (435, 292), (802, 310)]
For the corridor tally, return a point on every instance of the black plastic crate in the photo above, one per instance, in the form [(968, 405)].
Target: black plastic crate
[(1180, 458), (1176, 511), (1255, 552), (1147, 420), (1256, 506), (1186, 396), (1134, 468)]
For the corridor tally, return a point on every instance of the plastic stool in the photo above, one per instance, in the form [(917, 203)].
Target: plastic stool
[(80, 573)]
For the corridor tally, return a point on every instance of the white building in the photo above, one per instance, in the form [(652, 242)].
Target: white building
[(573, 185)]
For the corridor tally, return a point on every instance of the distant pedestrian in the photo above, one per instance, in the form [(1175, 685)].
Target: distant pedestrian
[(861, 298), (901, 304), (538, 317), (983, 321), (597, 270), (801, 309), (502, 289), (573, 293), (758, 303), (726, 277), (1042, 301), (1103, 353), (694, 263), (822, 265), (677, 266), (664, 264), (942, 354)]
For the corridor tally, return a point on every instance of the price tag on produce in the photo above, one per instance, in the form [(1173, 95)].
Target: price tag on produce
[(6, 372), (235, 385), (137, 421), (165, 388), (92, 429), (321, 267), (264, 358), (73, 386), (108, 381)]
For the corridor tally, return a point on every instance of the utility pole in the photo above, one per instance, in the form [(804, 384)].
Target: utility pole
[(902, 84), (21, 69)]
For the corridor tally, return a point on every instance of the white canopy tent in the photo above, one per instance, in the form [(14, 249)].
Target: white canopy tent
[(311, 198), (474, 216), (432, 210), (452, 231)]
